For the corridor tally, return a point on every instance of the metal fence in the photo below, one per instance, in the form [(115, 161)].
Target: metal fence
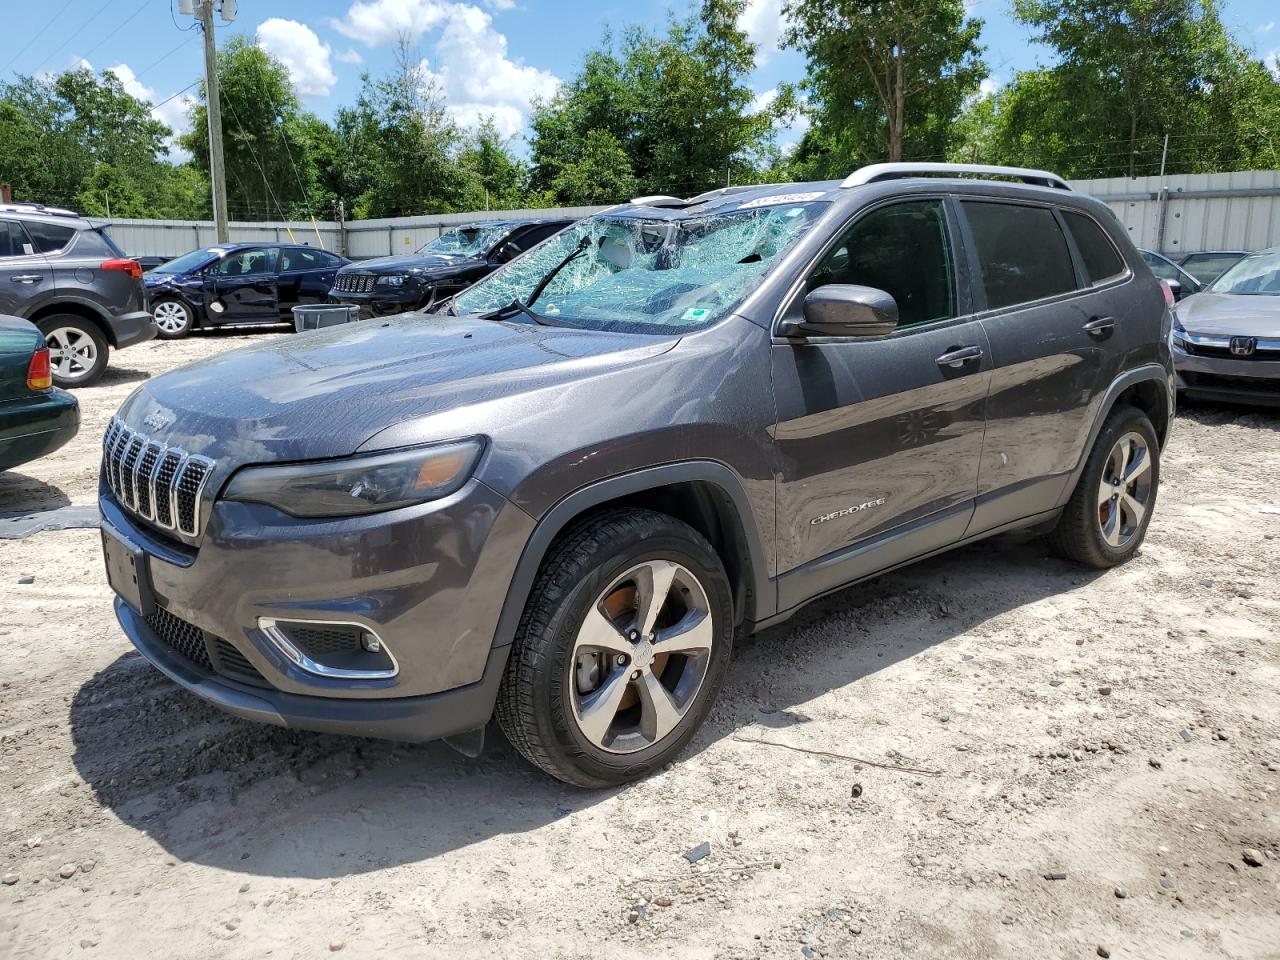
[(1175, 215)]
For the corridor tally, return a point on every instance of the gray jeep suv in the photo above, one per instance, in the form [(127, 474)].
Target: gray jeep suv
[(559, 498), (66, 275)]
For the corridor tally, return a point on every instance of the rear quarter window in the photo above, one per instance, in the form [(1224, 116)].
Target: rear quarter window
[(1102, 261), (1022, 252), (49, 237)]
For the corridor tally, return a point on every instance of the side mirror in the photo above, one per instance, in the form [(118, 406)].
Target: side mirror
[(508, 251), (845, 310), (1176, 289)]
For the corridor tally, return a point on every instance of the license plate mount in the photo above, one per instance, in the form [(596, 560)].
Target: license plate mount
[(128, 572)]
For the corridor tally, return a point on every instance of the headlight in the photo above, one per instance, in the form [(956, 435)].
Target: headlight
[(1179, 332), (394, 280), (359, 485)]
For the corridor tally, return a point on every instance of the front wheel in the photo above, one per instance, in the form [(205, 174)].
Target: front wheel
[(77, 350), (174, 319), (621, 651), (1106, 519)]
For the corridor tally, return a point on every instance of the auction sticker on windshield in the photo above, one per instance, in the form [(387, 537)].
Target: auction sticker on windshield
[(780, 199)]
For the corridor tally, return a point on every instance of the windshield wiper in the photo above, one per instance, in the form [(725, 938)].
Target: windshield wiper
[(517, 306), (574, 254)]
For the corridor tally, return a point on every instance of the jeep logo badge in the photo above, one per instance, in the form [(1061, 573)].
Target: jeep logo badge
[(157, 420), (1243, 346)]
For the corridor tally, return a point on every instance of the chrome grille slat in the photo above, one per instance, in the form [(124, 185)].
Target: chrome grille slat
[(159, 483)]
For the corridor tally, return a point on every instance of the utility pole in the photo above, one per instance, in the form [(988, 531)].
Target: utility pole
[(217, 172)]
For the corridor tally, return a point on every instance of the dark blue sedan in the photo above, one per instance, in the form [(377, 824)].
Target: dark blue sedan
[(238, 283)]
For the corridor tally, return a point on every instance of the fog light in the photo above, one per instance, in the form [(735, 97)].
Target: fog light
[(371, 643)]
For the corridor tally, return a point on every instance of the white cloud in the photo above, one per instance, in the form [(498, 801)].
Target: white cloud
[(1267, 27), (500, 4), (378, 22), (1272, 61), (349, 56), (762, 23), (171, 112), (764, 100), (296, 46), (476, 74), (990, 85)]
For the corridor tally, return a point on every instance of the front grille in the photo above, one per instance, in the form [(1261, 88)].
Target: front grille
[(184, 638), (1204, 350), (159, 483), (209, 653), (1217, 381), (355, 282), (319, 642)]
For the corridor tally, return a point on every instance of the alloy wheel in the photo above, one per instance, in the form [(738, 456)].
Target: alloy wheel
[(1124, 492), (171, 316), (72, 353), (640, 657)]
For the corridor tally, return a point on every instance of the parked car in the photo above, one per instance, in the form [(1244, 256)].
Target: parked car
[(1226, 340), (449, 263), (67, 276), (36, 417), (1180, 282), (238, 283), (559, 498), (1207, 265)]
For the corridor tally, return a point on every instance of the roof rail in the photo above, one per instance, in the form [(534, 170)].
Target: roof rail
[(18, 206), (877, 172), (659, 200)]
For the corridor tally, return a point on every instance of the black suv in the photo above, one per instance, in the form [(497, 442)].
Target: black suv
[(67, 276), (561, 497), (451, 262)]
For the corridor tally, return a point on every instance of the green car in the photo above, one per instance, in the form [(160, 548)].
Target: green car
[(35, 417)]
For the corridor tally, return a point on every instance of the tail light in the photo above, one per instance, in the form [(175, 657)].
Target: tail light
[(39, 373), (1168, 293), (132, 267)]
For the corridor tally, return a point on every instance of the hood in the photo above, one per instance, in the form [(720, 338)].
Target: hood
[(1227, 315), (324, 393), (430, 263)]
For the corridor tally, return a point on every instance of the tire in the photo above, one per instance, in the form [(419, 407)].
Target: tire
[(174, 318), (1099, 526), (77, 350), (551, 683)]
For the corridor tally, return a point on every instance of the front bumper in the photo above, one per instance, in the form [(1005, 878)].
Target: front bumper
[(128, 329), (34, 426), (429, 581), (381, 303), (1226, 379)]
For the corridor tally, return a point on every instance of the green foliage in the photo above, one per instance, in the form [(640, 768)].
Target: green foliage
[(1127, 73), (497, 178), (79, 140), (666, 113), (885, 80)]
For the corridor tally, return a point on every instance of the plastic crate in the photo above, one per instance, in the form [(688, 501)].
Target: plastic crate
[(313, 316)]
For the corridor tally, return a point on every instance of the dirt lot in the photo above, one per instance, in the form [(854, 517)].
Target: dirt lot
[(1096, 754)]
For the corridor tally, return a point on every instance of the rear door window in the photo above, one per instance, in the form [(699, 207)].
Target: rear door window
[(1102, 261), (1022, 252), (13, 240), (49, 237), (296, 258), (902, 249)]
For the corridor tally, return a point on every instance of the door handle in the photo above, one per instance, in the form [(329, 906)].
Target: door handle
[(28, 278), (1100, 325), (958, 356)]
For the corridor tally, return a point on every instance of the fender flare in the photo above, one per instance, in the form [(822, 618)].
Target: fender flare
[(1149, 371), (586, 498)]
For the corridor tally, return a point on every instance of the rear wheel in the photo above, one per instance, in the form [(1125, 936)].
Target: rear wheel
[(1106, 519), (174, 319), (77, 349), (621, 651)]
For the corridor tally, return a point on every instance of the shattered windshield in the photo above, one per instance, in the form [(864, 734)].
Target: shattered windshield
[(467, 241), (646, 275)]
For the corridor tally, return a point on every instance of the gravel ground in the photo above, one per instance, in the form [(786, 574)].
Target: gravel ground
[(1015, 758)]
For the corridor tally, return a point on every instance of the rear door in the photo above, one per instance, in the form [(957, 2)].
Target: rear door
[(243, 283), (1053, 334), (305, 276), (879, 439), (24, 272)]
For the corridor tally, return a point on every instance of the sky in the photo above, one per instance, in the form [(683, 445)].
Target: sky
[(490, 57)]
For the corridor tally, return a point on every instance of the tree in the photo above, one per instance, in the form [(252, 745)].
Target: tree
[(676, 107), (1141, 69), (498, 179), (885, 81), (268, 140)]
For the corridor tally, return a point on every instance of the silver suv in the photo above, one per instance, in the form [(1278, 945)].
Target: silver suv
[(67, 276)]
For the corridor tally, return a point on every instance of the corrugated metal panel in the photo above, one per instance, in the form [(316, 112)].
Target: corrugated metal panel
[(172, 238)]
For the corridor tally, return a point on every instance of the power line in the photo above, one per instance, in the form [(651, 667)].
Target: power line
[(120, 26), (39, 33), (155, 63), (101, 10)]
